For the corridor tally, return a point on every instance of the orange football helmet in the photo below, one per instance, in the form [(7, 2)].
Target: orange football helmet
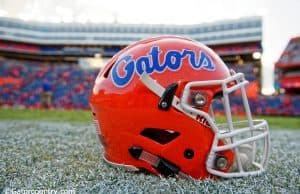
[(152, 104)]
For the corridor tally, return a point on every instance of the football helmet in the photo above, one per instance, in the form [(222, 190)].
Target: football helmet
[(153, 105)]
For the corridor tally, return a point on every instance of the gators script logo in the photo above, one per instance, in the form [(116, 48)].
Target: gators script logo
[(124, 69)]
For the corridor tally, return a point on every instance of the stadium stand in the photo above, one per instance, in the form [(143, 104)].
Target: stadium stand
[(71, 87), (36, 58), (288, 69)]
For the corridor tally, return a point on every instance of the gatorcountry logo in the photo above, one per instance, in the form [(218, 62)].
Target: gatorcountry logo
[(126, 67)]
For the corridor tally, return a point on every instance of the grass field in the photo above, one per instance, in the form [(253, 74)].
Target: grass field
[(38, 152), (81, 116)]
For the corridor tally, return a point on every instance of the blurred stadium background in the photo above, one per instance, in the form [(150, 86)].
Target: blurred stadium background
[(48, 66), (53, 65)]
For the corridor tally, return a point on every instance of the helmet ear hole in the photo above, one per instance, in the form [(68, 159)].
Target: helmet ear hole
[(161, 136)]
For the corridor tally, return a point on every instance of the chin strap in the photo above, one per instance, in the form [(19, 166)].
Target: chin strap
[(159, 90), (163, 166)]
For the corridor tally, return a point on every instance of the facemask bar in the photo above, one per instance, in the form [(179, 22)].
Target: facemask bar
[(183, 106), (240, 83)]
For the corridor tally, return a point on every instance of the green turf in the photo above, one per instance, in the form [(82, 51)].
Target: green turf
[(283, 122), (82, 116), (275, 122), (60, 156)]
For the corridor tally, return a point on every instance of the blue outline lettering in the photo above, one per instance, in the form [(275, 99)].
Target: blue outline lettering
[(151, 63)]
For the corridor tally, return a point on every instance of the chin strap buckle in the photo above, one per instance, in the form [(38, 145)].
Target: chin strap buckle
[(166, 99), (167, 96), (163, 166)]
